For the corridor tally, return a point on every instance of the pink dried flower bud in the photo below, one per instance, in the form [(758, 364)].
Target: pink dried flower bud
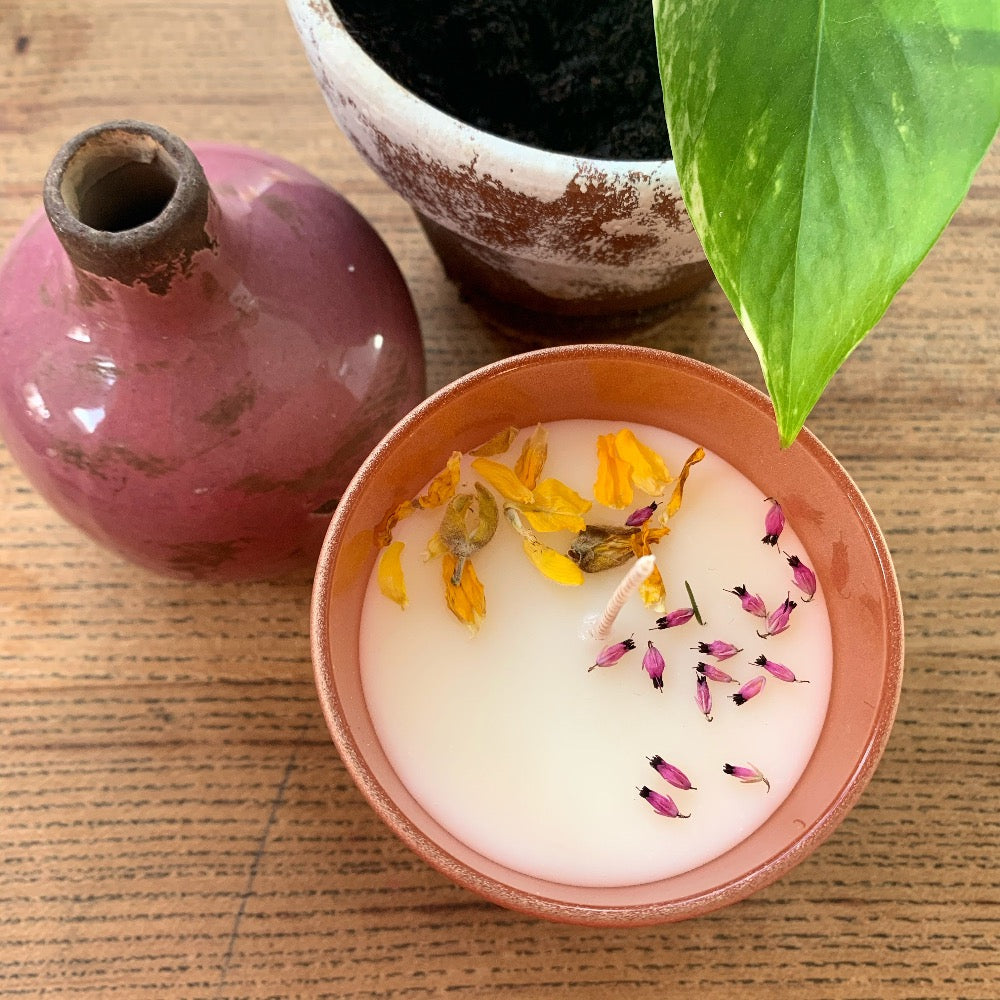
[(778, 670), (674, 618), (654, 665), (610, 655), (802, 576), (663, 804), (748, 775), (774, 522), (703, 697), (751, 689), (751, 603), (713, 673), (718, 649), (779, 619), (670, 773), (639, 517)]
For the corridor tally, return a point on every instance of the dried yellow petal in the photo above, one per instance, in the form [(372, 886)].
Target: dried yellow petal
[(467, 599), (435, 547), (614, 484), (528, 467), (653, 591), (643, 537), (497, 444), (383, 530), (503, 480), (650, 533), (648, 470), (390, 574), (556, 507), (678, 495), (556, 496), (553, 564), (442, 487), (548, 521), (440, 490)]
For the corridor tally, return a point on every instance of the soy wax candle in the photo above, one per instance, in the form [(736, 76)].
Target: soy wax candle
[(515, 742), (621, 385)]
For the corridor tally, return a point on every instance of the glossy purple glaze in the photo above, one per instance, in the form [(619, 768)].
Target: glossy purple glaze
[(206, 429)]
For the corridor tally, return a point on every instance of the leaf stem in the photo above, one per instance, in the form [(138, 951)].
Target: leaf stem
[(694, 603)]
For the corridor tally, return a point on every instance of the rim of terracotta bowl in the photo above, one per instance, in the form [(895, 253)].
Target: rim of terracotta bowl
[(420, 123), (855, 571)]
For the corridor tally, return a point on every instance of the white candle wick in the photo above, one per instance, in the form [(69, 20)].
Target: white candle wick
[(643, 567)]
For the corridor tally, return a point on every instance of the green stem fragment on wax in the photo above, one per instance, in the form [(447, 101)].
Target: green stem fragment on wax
[(694, 603)]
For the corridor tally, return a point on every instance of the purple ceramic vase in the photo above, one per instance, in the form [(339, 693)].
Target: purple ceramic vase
[(199, 352)]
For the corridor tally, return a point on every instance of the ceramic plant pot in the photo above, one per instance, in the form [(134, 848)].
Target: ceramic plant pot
[(736, 423), (540, 240), (198, 351)]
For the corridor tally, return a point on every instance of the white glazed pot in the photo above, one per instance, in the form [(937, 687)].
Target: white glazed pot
[(522, 230)]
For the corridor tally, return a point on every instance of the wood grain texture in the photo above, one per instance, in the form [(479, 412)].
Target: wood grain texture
[(174, 821)]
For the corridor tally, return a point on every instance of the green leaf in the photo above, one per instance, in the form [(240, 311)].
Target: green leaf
[(822, 146)]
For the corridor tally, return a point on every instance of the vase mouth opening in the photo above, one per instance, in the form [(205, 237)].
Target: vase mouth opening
[(119, 181), (118, 177), (129, 201)]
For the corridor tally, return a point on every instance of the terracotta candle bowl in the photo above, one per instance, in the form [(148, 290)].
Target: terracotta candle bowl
[(726, 416), (524, 231)]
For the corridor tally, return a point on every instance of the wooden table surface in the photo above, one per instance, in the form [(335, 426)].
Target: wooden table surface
[(174, 821)]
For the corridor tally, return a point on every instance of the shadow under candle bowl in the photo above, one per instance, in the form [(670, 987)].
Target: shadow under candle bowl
[(538, 241), (734, 422)]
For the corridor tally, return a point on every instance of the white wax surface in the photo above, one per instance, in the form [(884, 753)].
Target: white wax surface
[(520, 752)]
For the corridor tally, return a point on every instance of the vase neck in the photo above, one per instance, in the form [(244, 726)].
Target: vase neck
[(130, 203)]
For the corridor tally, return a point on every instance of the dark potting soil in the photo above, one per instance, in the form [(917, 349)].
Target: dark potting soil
[(573, 76)]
